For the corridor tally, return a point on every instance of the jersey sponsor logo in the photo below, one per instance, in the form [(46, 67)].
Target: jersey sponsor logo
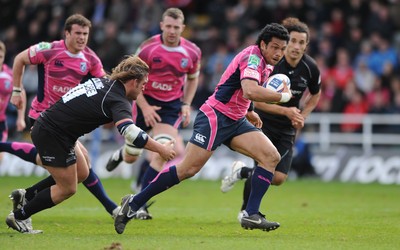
[(47, 158), (184, 62), (61, 89), (59, 63), (251, 73), (87, 88), (253, 61), (200, 138), (157, 59), (83, 66), (162, 86)]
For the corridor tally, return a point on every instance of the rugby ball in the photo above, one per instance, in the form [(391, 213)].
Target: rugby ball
[(275, 82)]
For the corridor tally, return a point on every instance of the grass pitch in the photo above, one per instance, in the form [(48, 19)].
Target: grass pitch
[(196, 215)]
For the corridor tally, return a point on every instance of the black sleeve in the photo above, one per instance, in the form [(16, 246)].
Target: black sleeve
[(315, 83)]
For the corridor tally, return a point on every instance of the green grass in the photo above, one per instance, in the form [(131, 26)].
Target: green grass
[(196, 215)]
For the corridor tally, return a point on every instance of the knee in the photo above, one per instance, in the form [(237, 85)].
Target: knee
[(130, 158), (278, 179), (187, 172), (273, 157), (68, 191)]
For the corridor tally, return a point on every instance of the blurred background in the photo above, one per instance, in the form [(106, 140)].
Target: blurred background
[(353, 135)]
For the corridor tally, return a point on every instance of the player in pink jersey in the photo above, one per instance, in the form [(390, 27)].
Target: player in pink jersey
[(5, 94), (222, 120), (62, 65), (165, 103)]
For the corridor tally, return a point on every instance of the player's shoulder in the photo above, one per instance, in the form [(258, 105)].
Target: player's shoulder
[(54, 45), (310, 62), (87, 50), (189, 44), (151, 41)]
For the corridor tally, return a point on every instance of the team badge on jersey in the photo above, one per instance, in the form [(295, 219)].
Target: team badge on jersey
[(7, 84), (83, 66), (184, 62), (253, 61)]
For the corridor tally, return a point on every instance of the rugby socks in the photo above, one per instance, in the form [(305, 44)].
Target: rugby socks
[(41, 185), (143, 168), (246, 192), (245, 172), (25, 151), (164, 180), (260, 182), (148, 176), (41, 202), (94, 185)]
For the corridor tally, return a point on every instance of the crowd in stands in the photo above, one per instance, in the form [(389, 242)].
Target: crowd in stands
[(355, 42)]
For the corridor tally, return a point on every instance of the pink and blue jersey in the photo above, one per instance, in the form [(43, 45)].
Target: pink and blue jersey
[(228, 95), (59, 71), (6, 88), (169, 67)]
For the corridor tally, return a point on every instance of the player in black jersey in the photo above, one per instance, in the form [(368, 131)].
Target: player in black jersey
[(281, 121), (81, 110)]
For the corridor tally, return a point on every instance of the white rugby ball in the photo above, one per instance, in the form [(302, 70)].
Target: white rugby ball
[(275, 82)]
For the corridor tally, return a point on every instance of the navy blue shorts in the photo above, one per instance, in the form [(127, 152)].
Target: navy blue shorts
[(212, 128), (170, 113)]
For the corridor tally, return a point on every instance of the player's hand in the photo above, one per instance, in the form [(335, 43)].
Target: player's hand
[(254, 119), (294, 115), (186, 109), (150, 115), (16, 101), (286, 88), (168, 153)]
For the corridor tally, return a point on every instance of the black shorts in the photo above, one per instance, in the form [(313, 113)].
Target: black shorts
[(283, 140), (54, 150)]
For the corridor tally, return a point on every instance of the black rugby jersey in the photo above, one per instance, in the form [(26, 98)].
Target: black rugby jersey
[(86, 107), (305, 75)]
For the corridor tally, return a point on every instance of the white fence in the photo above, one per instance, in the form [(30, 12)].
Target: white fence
[(377, 130)]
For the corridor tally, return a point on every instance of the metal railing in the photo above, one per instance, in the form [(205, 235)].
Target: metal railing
[(323, 130)]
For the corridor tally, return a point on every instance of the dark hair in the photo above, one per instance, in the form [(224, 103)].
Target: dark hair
[(132, 67), (272, 30), (294, 24), (76, 19)]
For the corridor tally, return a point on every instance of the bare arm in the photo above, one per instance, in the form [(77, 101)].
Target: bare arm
[(149, 112), (292, 113), (19, 99), (189, 92), (254, 92), (310, 104)]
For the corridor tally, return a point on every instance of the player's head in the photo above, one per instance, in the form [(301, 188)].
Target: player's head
[(172, 26), (131, 68), (272, 42), (299, 37), (2, 53), (76, 30)]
